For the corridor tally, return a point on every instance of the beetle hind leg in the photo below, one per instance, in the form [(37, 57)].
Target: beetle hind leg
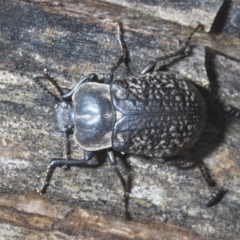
[(216, 196), (151, 65), (206, 174), (218, 192), (235, 112)]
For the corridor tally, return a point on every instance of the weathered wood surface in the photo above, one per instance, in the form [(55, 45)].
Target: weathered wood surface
[(165, 202), (187, 13)]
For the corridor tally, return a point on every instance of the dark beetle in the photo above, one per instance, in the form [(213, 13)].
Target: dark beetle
[(155, 114)]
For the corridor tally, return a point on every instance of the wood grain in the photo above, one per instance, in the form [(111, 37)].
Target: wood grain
[(166, 202)]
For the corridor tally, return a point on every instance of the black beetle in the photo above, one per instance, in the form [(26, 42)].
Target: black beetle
[(155, 114)]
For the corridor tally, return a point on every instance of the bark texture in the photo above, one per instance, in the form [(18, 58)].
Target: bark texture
[(71, 40)]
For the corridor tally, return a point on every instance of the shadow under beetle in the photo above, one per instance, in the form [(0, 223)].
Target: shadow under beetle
[(155, 114)]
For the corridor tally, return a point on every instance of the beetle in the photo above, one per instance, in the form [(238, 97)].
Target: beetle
[(156, 114)]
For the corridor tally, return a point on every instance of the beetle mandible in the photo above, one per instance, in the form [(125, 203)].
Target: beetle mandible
[(155, 114)]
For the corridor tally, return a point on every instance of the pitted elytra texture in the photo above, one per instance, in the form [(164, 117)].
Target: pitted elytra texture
[(156, 108)]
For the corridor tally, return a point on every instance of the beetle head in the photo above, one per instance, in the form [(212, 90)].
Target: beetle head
[(64, 116)]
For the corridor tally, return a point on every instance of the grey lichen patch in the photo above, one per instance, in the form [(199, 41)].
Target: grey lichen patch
[(48, 34), (10, 78), (153, 194)]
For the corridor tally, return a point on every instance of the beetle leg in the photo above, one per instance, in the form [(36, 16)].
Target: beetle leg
[(89, 78), (121, 59), (151, 65), (207, 176), (113, 162), (216, 196), (56, 162), (59, 96), (232, 111), (218, 192)]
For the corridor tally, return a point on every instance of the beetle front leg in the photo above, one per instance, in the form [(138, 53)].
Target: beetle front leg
[(113, 162), (56, 162), (89, 78), (121, 59), (151, 65), (59, 96)]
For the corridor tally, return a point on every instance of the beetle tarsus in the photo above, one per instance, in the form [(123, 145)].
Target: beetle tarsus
[(43, 189), (218, 192), (215, 197), (232, 111)]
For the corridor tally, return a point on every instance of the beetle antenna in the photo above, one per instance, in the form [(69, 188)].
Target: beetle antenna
[(57, 95), (37, 81), (52, 82)]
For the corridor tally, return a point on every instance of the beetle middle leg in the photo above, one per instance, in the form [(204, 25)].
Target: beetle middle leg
[(151, 65), (121, 59), (113, 162)]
